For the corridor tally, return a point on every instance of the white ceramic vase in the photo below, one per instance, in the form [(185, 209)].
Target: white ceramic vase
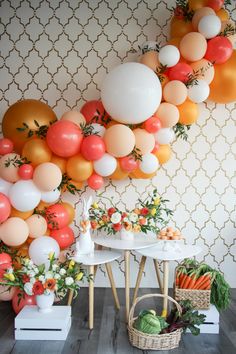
[(45, 302), (126, 235)]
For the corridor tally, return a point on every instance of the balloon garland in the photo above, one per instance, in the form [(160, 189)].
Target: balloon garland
[(144, 105)]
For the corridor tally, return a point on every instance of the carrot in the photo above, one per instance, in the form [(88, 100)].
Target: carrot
[(186, 282), (206, 286), (205, 279), (177, 279), (183, 280), (181, 275), (207, 282), (192, 282), (199, 281)]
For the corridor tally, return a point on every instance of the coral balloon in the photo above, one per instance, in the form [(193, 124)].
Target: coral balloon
[(106, 165), (193, 46), (188, 113), (64, 138), (180, 28), (168, 115), (199, 14), (75, 117), (94, 111), (174, 92), (64, 237), (36, 151), (144, 141), (24, 300), (204, 69), (223, 86), (25, 112), (14, 231), (60, 162), (95, 181), (21, 214), (5, 258), (78, 168), (37, 225), (119, 140), (219, 50), (119, 173), (152, 124), (47, 176), (5, 208), (5, 186), (6, 293), (180, 71), (216, 5), (8, 170), (92, 147), (163, 153), (57, 217), (6, 146), (26, 171), (128, 163), (24, 195), (197, 4), (71, 211), (150, 59), (40, 249)]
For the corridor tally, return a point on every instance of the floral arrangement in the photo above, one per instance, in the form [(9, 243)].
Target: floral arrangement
[(38, 280), (150, 215)]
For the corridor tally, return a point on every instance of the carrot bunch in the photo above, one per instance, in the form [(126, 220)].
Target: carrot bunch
[(193, 281)]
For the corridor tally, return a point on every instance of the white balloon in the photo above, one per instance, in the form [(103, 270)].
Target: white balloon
[(24, 195), (105, 166), (5, 186), (40, 249), (50, 197), (149, 163), (169, 55), (199, 92), (98, 129), (209, 26), (164, 136), (131, 93)]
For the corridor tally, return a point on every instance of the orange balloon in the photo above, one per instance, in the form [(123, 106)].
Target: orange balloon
[(199, 14), (10, 172), (60, 162), (223, 14), (21, 214), (193, 46), (150, 59), (119, 173), (119, 140), (36, 151), (188, 112), (28, 112), (42, 206), (223, 86), (71, 211), (22, 252), (78, 168), (144, 141), (163, 153), (141, 175), (179, 28), (75, 117), (175, 41), (111, 123), (47, 233), (30, 240), (204, 70), (175, 92), (168, 114), (197, 4)]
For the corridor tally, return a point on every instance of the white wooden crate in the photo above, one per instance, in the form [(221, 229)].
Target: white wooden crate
[(30, 324), (212, 321)]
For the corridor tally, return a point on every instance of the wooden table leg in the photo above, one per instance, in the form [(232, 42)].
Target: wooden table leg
[(156, 265), (70, 297), (165, 288), (140, 273), (91, 297), (113, 287), (127, 283)]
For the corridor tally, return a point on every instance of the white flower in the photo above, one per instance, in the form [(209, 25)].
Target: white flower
[(116, 218), (133, 217), (69, 281), (32, 280), (42, 278), (54, 267), (48, 275), (57, 276), (35, 269), (126, 219), (31, 273), (28, 288), (62, 271)]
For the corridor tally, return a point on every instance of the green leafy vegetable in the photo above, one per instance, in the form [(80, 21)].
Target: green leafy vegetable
[(149, 323)]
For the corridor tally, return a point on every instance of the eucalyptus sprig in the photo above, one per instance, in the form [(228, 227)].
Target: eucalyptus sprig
[(182, 10), (160, 71), (229, 30), (194, 76), (181, 131), (102, 118), (87, 129), (146, 48), (16, 161), (136, 154), (66, 183), (40, 130)]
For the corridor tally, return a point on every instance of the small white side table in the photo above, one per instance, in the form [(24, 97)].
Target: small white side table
[(165, 251), (92, 261)]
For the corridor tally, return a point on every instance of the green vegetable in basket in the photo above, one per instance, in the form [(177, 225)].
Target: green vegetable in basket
[(148, 322)]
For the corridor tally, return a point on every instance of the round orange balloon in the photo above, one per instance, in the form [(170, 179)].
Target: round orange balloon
[(197, 4), (199, 14), (180, 27), (144, 141), (175, 92), (30, 112), (36, 151), (193, 46), (204, 70), (21, 214), (222, 14), (60, 162), (119, 173), (119, 140), (188, 112), (223, 86), (71, 211), (168, 114), (175, 41), (150, 59), (78, 168), (75, 117), (42, 206), (141, 175), (163, 153)]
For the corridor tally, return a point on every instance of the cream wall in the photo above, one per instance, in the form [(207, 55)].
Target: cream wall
[(59, 51)]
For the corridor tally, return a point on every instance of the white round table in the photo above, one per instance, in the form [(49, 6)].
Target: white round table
[(141, 241), (165, 251), (92, 261)]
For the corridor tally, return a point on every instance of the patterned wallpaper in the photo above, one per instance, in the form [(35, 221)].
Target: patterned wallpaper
[(58, 51)]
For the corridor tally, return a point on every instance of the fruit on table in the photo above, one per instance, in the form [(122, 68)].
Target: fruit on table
[(170, 234)]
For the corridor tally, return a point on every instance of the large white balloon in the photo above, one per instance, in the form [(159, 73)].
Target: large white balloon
[(5, 186), (169, 55), (131, 93), (105, 166), (40, 249), (164, 136), (209, 26), (51, 197), (199, 92), (149, 163), (24, 195)]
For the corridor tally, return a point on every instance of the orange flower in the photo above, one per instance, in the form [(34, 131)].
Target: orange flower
[(94, 224), (137, 228), (137, 211), (50, 284), (142, 221), (105, 218)]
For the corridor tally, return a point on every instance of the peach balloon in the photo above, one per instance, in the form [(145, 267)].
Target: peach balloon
[(180, 28), (188, 112), (199, 14), (193, 46), (141, 175), (78, 168), (36, 151), (60, 162), (175, 92), (119, 173), (21, 214), (150, 59), (6, 293), (9, 173), (163, 153), (75, 117), (71, 211), (223, 14), (14, 232), (37, 225), (168, 115), (204, 70), (119, 140), (144, 141), (197, 4), (47, 176)]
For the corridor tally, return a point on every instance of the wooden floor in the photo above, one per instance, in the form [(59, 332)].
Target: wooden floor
[(109, 335)]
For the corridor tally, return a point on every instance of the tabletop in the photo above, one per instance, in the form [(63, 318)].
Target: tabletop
[(98, 257)]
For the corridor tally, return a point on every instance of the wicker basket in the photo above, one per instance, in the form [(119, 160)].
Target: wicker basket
[(200, 299), (152, 341)]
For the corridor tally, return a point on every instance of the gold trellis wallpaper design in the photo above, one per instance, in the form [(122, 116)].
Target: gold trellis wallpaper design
[(58, 51)]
